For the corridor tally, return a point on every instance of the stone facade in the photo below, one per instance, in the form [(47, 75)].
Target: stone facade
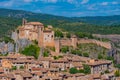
[(36, 31)]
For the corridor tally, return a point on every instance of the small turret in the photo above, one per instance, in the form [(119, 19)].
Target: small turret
[(24, 21), (74, 41)]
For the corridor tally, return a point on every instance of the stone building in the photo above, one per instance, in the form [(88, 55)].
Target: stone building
[(36, 31)]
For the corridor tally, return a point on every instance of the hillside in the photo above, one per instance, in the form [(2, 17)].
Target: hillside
[(90, 28), (98, 20), (11, 19)]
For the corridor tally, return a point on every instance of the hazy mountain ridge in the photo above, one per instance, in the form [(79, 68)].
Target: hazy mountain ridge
[(98, 20), (11, 19)]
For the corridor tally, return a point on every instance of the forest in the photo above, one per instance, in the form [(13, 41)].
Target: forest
[(11, 19)]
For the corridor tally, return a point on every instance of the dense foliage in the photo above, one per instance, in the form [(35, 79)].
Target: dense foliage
[(58, 33), (11, 19), (117, 73), (73, 70), (31, 50), (83, 35), (46, 53), (86, 70), (7, 39), (64, 49), (92, 50)]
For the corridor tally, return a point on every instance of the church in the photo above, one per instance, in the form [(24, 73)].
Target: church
[(36, 31)]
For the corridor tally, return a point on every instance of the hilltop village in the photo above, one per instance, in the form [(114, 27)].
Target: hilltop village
[(53, 61)]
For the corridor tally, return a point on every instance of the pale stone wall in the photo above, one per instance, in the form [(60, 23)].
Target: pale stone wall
[(57, 46), (48, 38), (65, 42), (100, 43)]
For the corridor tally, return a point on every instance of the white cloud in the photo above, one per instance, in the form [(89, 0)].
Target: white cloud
[(50, 1), (84, 1), (92, 7), (104, 3), (115, 2), (27, 1), (7, 3)]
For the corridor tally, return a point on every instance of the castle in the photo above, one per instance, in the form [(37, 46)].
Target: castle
[(36, 31), (45, 36)]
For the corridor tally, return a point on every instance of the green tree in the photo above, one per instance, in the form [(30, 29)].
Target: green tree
[(117, 73), (87, 69), (7, 39), (14, 68), (100, 56), (55, 57), (117, 65), (73, 70), (83, 35), (21, 67), (64, 49), (58, 33), (81, 71), (68, 35), (107, 71), (85, 54), (77, 52), (46, 53), (31, 50)]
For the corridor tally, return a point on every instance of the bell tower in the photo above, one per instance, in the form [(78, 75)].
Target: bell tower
[(24, 21)]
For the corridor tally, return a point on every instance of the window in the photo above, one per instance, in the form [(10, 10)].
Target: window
[(52, 36)]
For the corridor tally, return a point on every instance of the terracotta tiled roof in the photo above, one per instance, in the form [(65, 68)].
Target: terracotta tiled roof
[(37, 73), (76, 64), (45, 59), (25, 74), (99, 62), (1, 69), (39, 69), (34, 23)]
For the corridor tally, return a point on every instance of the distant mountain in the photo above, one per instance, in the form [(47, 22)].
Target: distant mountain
[(11, 19), (97, 20), (100, 20), (27, 14)]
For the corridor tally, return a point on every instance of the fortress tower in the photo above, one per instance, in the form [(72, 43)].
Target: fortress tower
[(74, 41), (57, 46)]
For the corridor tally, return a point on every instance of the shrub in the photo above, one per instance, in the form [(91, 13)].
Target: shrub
[(58, 33), (31, 50), (14, 67), (87, 69), (46, 53), (77, 52), (21, 67), (85, 54), (100, 56), (73, 70), (117, 73), (107, 71), (64, 49), (68, 35)]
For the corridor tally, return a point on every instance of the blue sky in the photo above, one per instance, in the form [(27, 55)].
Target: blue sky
[(70, 8)]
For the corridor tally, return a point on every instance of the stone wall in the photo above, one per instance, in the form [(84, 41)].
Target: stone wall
[(100, 43), (74, 41), (6, 47), (65, 42)]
